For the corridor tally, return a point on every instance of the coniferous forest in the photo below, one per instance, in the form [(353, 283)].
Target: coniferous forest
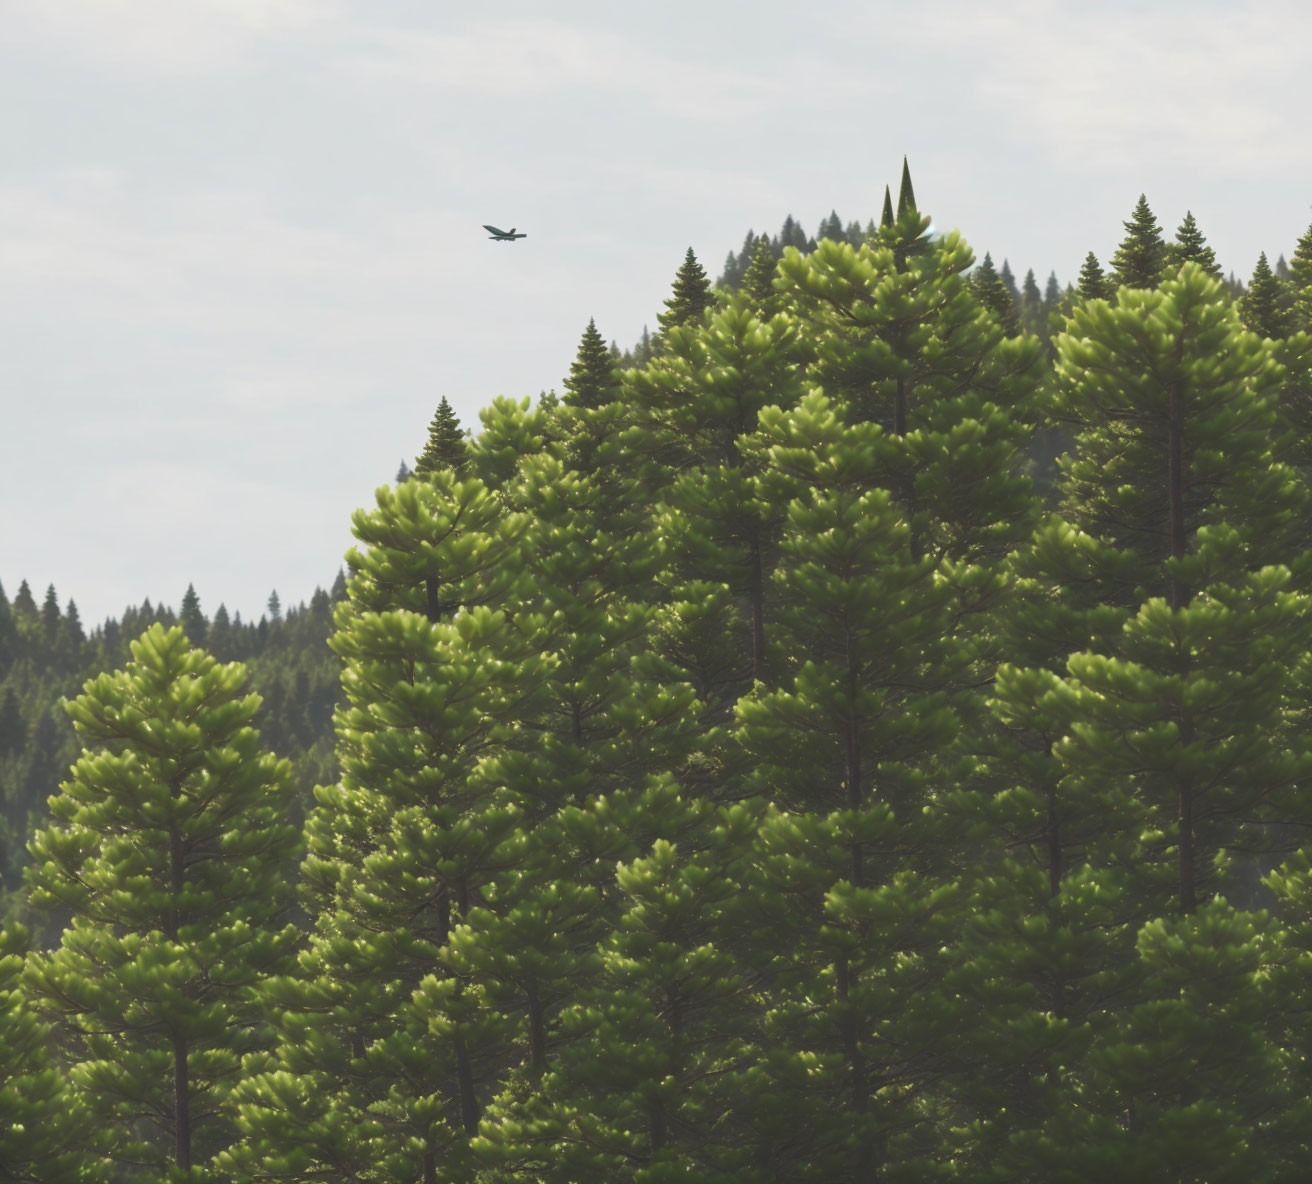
[(859, 734)]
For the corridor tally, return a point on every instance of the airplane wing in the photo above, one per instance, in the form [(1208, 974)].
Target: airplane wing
[(494, 230)]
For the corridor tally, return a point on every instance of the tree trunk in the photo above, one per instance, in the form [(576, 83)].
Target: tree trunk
[(537, 1031), (1055, 868), (756, 584), (181, 1105)]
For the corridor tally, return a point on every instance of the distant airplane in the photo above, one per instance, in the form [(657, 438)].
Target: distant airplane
[(503, 236)]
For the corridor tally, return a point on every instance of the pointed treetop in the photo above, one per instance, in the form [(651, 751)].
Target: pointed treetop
[(446, 447), (758, 283), (887, 219), (593, 380), (692, 294), (1093, 284), (906, 198), (1138, 260), (993, 294), (1300, 274), (1191, 245), (1261, 307)]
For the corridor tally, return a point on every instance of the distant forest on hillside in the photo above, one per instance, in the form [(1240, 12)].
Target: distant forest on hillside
[(859, 733)]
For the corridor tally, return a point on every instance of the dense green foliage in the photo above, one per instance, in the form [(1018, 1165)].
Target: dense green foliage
[(741, 767)]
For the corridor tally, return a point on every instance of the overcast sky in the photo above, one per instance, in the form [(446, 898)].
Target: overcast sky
[(240, 246)]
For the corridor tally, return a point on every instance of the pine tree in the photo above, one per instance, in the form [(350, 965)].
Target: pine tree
[(402, 473), (906, 198), (274, 606), (50, 616), (192, 619), (843, 748), (1118, 775), (1052, 294), (1031, 306), (1139, 259), (692, 408), (691, 296), (994, 295), (886, 216), (1191, 245), (758, 282), (831, 228), (24, 606), (593, 380), (1262, 306), (170, 845), (1300, 270), (1093, 284), (43, 1125), (446, 447), (791, 234), (72, 626), (388, 1053), (1009, 282)]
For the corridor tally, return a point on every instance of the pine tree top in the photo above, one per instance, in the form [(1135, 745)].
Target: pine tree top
[(691, 296), (1008, 280), (446, 447), (1262, 308), (993, 293), (1191, 245), (1138, 260), (593, 380), (906, 197), (886, 219), (1093, 284), (758, 283)]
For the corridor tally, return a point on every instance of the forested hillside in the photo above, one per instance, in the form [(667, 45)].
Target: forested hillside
[(862, 738)]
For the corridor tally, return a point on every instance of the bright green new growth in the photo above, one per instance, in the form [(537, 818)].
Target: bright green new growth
[(40, 1123), (170, 847)]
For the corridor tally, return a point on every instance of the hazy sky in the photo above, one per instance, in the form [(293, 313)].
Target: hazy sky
[(240, 246)]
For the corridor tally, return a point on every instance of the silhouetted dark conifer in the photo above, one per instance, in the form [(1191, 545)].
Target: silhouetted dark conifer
[(403, 473), (192, 619), (592, 381), (1031, 305), (791, 234), (1009, 281), (831, 228), (886, 218), (1139, 259), (446, 447), (24, 604), (50, 615)]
